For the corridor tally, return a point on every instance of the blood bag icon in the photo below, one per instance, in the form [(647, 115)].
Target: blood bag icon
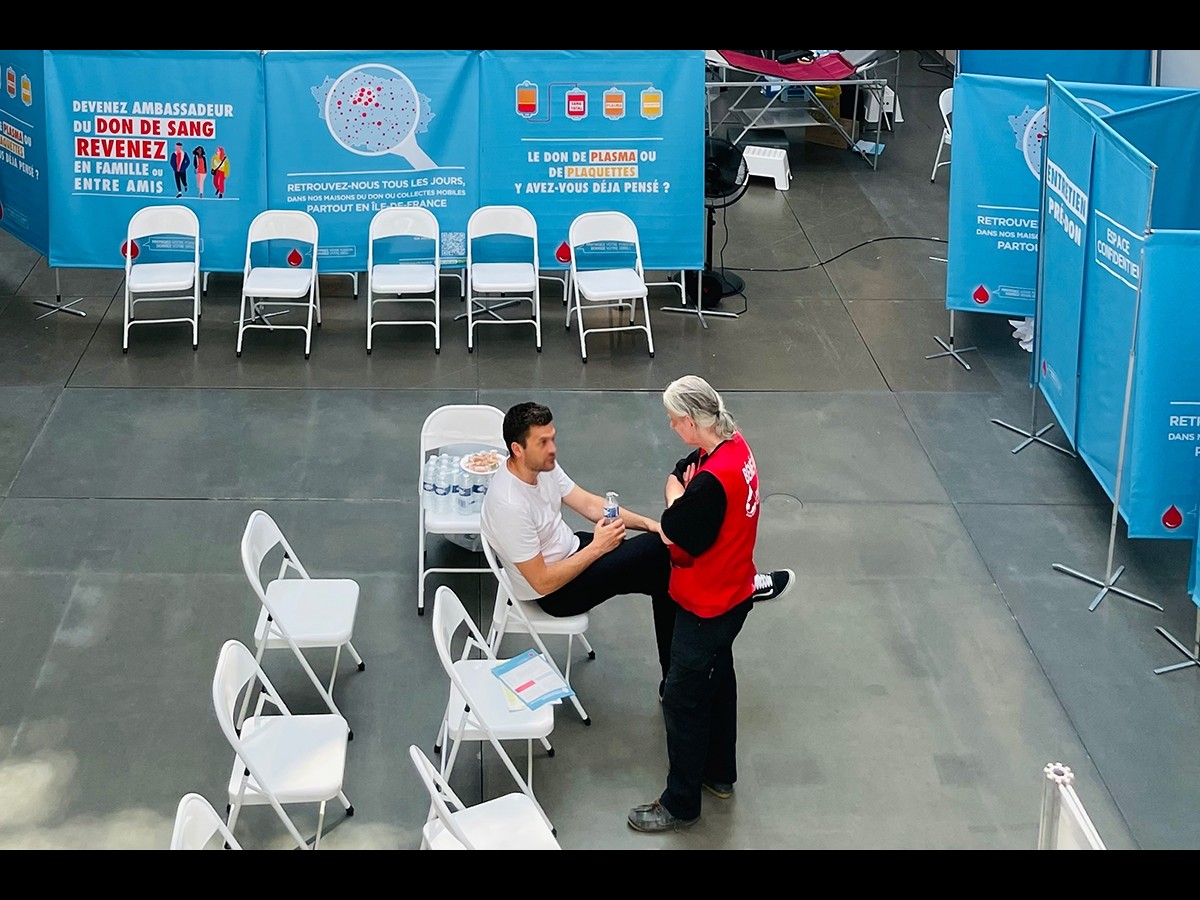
[(614, 103), (652, 103), (527, 99), (577, 103)]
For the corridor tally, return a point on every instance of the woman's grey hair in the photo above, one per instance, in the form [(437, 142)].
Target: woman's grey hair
[(694, 397)]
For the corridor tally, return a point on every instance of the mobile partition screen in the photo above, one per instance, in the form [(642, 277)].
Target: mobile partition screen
[(89, 137), (1115, 353)]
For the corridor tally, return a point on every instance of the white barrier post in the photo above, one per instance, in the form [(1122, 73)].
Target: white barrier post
[(1065, 824)]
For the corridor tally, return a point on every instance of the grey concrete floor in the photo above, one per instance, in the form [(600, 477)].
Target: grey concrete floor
[(905, 696)]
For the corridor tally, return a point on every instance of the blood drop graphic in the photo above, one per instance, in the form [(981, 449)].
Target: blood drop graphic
[(563, 253), (295, 257), (1172, 518), (981, 295), (130, 248)]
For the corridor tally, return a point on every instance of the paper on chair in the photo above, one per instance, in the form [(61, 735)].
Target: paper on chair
[(532, 680)]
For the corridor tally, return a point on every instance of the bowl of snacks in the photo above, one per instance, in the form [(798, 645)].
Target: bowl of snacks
[(482, 462)]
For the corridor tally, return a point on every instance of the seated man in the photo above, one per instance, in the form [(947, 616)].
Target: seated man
[(567, 572)]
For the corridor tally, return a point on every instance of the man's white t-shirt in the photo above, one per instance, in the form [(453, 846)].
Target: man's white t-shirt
[(522, 520)]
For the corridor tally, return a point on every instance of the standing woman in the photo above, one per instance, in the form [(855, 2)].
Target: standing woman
[(220, 169), (711, 526), (200, 167)]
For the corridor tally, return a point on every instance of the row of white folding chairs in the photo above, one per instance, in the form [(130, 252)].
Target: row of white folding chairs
[(272, 286)]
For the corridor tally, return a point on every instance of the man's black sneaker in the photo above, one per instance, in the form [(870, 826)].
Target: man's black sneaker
[(772, 585)]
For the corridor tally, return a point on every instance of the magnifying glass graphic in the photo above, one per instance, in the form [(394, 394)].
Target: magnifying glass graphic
[(374, 110)]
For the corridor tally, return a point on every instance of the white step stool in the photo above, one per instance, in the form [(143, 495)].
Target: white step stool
[(771, 162)]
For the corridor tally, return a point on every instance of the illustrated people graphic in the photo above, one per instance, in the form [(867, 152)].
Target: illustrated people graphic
[(179, 165), (220, 171), (200, 167)]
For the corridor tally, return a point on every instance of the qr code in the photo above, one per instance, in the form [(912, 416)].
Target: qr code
[(454, 244)]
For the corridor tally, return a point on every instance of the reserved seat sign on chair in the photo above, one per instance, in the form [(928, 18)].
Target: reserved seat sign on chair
[(156, 271), (502, 269), (404, 266), (606, 273), (280, 274)]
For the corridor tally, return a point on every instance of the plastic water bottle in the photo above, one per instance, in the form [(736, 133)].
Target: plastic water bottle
[(442, 486), (428, 478), (612, 508), (462, 493), (479, 486)]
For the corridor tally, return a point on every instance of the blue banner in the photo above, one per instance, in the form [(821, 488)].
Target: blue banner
[(1121, 185), (1101, 66), (995, 191), (351, 132), (134, 128), (1065, 239), (570, 131), (1164, 449), (24, 177)]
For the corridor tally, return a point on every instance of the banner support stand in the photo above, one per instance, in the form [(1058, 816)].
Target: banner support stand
[(948, 347), (1193, 655), (1031, 436), (59, 306), (1110, 577), (683, 302)]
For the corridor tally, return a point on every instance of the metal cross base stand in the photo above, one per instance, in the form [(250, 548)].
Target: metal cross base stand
[(1105, 587), (730, 284), (949, 347), (1032, 436), (59, 306), (1192, 659), (481, 308)]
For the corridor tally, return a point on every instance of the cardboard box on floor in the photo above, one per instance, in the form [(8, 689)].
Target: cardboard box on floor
[(827, 135)]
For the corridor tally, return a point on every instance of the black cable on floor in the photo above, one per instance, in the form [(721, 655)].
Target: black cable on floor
[(819, 263)]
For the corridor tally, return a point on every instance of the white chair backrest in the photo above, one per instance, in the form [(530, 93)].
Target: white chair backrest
[(197, 823), (170, 219), (946, 105), (605, 225), (489, 220), (441, 795), (449, 615), (462, 423), (283, 224), (501, 220), (262, 536), (495, 565), (236, 669), (393, 221)]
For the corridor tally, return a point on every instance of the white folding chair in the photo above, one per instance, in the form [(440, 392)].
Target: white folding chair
[(155, 232), (510, 822), (478, 709), (501, 277), (199, 827), (465, 424), (276, 277), (279, 759), (404, 273), (300, 613), (603, 284), (513, 616), (946, 107)]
